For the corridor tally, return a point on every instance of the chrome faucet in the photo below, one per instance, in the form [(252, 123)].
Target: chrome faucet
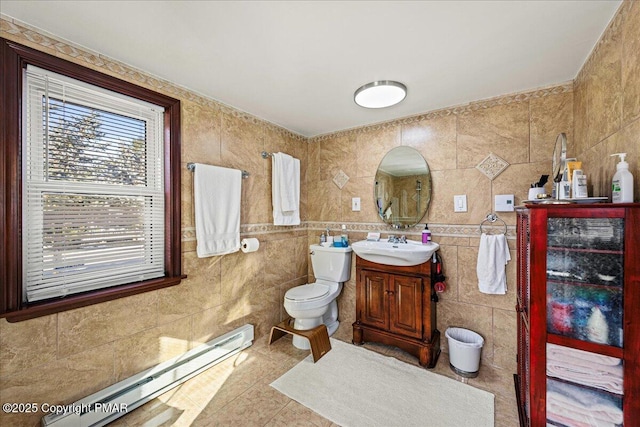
[(396, 239)]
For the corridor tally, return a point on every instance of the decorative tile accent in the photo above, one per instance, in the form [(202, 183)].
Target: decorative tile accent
[(492, 166), (340, 179), (440, 230)]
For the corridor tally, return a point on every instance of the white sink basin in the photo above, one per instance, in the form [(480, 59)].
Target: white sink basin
[(400, 254)]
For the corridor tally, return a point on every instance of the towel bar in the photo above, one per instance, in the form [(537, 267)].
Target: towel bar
[(192, 167)]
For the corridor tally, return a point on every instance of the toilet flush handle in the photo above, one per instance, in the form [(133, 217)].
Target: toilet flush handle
[(312, 253)]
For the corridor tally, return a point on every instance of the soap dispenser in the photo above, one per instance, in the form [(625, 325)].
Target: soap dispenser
[(622, 183)]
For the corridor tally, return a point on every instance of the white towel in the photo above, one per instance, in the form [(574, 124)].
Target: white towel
[(493, 255), (217, 194), (285, 189)]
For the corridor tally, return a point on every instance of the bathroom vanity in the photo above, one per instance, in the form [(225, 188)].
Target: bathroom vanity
[(578, 318), (395, 305)]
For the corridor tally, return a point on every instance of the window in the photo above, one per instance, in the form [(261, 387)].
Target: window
[(95, 196)]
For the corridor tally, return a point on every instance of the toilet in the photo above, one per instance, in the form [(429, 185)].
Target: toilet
[(312, 304)]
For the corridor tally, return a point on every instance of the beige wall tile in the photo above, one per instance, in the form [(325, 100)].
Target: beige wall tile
[(579, 143), (604, 101), (87, 327), (338, 154), (186, 195), (505, 340), (372, 145), (241, 144), (362, 188), (143, 350), (324, 201), (26, 345), (435, 139), (468, 281), (256, 200), (280, 265), (550, 115), (502, 130), (631, 63), (447, 183), (242, 274), (213, 322), (61, 381), (200, 133)]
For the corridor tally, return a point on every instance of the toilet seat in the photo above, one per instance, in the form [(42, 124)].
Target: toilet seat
[(309, 292)]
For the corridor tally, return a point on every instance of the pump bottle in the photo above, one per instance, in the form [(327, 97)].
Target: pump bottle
[(622, 183), (426, 234)]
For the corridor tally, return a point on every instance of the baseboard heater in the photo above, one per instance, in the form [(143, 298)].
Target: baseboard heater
[(119, 399)]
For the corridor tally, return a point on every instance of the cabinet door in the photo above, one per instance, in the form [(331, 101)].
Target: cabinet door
[(375, 299), (405, 314)]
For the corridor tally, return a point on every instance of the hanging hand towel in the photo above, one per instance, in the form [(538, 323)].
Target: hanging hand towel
[(217, 194), (285, 189), (493, 255)]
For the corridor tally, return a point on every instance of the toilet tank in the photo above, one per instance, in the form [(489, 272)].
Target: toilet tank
[(331, 263)]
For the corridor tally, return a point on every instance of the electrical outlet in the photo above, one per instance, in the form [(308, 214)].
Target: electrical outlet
[(460, 203), (355, 204)]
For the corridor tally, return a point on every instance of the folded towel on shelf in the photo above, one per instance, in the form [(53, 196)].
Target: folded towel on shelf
[(493, 256), (559, 352), (217, 194), (579, 367), (285, 189), (582, 406)]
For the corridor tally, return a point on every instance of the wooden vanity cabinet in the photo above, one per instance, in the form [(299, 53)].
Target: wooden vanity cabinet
[(394, 306)]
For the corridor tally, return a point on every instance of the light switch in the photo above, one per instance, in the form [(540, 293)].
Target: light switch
[(460, 203), (355, 204), (504, 203)]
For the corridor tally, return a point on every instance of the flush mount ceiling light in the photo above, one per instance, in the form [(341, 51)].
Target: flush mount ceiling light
[(380, 94)]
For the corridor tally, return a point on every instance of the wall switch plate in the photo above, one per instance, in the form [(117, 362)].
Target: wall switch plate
[(355, 204), (504, 203), (460, 203)]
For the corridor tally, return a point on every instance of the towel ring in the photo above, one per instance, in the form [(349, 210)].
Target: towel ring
[(493, 218)]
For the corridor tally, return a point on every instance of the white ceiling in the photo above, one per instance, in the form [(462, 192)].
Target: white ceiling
[(297, 64)]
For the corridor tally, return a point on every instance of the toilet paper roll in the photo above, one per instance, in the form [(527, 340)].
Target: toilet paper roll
[(249, 245)]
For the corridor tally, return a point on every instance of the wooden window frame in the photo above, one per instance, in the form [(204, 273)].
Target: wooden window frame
[(15, 58)]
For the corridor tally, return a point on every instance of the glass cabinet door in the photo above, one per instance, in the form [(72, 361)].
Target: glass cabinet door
[(585, 276), (585, 279)]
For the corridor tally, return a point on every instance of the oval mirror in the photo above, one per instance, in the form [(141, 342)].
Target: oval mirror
[(402, 189)]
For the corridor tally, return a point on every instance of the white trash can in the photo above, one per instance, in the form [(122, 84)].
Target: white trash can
[(465, 347)]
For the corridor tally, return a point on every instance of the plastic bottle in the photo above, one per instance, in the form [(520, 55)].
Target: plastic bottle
[(344, 237), (426, 234), (622, 183), (323, 238)]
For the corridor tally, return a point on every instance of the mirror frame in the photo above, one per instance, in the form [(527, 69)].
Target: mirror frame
[(396, 170)]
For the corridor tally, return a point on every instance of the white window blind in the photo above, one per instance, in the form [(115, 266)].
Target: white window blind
[(93, 182)]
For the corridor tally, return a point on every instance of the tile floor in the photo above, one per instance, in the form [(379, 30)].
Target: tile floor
[(236, 392)]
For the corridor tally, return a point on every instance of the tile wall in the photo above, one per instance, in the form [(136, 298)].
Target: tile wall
[(66, 356), (607, 103)]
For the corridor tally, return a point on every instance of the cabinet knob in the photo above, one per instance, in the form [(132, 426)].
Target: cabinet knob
[(389, 292)]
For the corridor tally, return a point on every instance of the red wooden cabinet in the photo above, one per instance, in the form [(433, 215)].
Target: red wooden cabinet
[(578, 305)]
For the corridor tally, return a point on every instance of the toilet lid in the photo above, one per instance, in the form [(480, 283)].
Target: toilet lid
[(307, 292)]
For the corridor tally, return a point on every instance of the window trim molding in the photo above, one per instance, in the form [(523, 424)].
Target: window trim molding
[(15, 58)]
